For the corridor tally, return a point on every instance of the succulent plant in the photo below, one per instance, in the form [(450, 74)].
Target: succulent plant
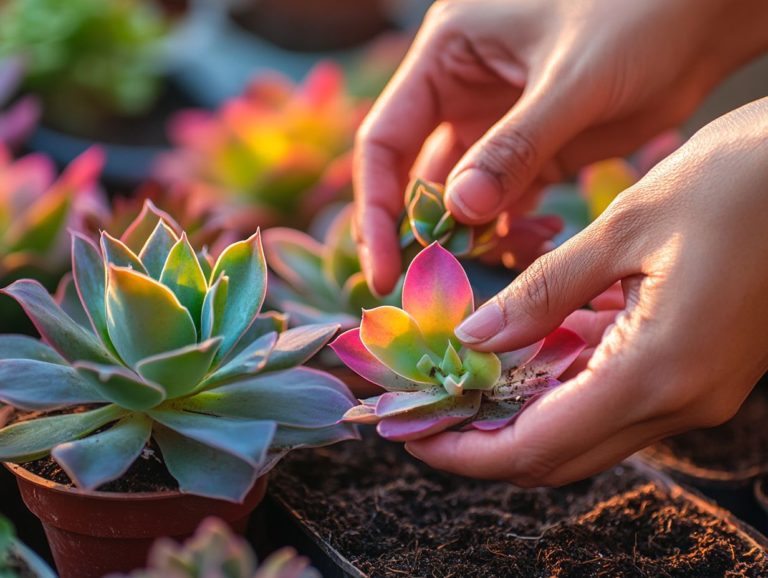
[(426, 219), (170, 346), (278, 151), (36, 209), (86, 57), (215, 552), (16, 560), (432, 383), (19, 119), (320, 282)]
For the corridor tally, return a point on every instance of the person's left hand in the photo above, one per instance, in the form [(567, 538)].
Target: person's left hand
[(689, 244)]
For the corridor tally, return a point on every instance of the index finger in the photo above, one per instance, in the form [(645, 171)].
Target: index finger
[(387, 145)]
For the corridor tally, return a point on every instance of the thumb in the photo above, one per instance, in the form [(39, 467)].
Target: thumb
[(500, 166), (554, 286)]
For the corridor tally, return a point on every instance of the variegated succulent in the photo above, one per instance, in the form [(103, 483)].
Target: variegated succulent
[(165, 344), (514, 242), (215, 552), (278, 152), (36, 209), (432, 383), (320, 282), (19, 118)]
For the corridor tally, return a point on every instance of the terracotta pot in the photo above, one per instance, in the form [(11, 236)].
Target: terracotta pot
[(94, 533)]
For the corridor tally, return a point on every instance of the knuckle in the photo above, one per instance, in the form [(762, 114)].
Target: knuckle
[(531, 291), (714, 413), (443, 12), (533, 469), (510, 155)]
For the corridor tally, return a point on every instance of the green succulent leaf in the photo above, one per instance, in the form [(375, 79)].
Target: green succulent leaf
[(244, 264), (144, 317), (287, 397), (122, 386), (180, 371), (69, 301), (213, 307), (484, 369), (24, 347), (182, 275), (226, 477), (264, 323), (38, 385), (137, 233), (29, 440), (247, 440), (358, 294), (300, 344), (249, 361), (117, 254), (67, 337), (42, 225), (103, 457), (155, 251), (90, 278), (292, 438)]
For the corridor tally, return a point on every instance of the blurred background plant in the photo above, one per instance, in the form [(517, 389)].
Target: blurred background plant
[(17, 118), (16, 559)]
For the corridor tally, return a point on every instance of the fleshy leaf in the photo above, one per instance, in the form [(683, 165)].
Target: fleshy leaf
[(182, 275), (226, 477), (288, 437), (24, 347), (300, 397), (398, 402), (394, 338), (38, 385), (69, 301), (297, 258), (155, 251), (117, 254), (103, 457), (180, 371), (495, 415), (361, 414), (249, 361), (483, 369), (90, 279), (438, 296), (559, 350), (137, 233), (60, 331), (269, 322), (298, 345), (430, 420), (244, 264), (353, 353), (247, 440), (144, 317), (29, 440), (122, 386), (213, 307)]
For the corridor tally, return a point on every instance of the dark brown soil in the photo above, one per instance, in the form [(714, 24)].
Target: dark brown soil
[(393, 517), (738, 445)]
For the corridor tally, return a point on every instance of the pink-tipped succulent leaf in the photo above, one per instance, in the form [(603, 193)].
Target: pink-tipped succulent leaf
[(432, 383)]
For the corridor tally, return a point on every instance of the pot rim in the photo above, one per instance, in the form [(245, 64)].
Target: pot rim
[(694, 473), (21, 472)]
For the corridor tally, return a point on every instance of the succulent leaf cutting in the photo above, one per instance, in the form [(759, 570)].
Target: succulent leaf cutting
[(161, 342), (432, 382)]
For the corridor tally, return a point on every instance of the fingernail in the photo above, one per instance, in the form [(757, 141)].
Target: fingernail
[(482, 325), (477, 193)]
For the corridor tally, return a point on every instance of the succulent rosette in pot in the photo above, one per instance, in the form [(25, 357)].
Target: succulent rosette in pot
[(168, 345), (432, 382)]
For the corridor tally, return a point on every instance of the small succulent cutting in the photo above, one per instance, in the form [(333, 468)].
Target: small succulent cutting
[(320, 282), (36, 209), (279, 151), (17, 119), (515, 242), (432, 383), (163, 343), (215, 552)]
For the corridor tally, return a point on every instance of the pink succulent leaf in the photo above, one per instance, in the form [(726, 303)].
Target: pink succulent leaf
[(437, 295), (512, 360), (353, 353), (399, 402), (495, 415), (11, 75), (559, 350), (83, 172), (323, 84), (394, 338), (421, 423), (19, 121)]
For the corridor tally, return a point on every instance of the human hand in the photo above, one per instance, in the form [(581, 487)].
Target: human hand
[(689, 243), (518, 93)]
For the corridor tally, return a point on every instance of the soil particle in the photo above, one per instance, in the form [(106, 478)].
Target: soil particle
[(393, 516)]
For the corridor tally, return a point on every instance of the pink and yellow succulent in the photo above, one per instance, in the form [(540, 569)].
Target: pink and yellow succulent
[(432, 382), (279, 151)]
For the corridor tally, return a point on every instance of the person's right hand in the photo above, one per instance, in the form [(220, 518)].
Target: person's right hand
[(518, 93)]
